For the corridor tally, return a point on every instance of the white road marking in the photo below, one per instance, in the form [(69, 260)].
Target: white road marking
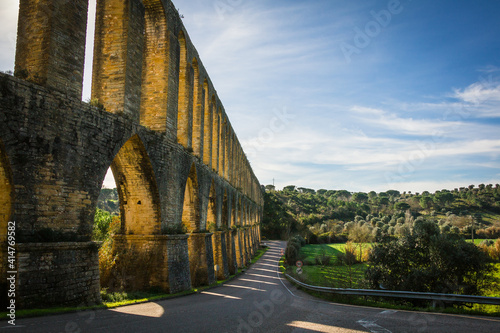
[(372, 327)]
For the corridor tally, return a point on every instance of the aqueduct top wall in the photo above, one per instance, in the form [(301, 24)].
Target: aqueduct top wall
[(154, 118)]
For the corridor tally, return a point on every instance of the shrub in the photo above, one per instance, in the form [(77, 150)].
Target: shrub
[(107, 260), (490, 233), (291, 254), (102, 220), (491, 248), (347, 258), (299, 239), (293, 249), (322, 259)]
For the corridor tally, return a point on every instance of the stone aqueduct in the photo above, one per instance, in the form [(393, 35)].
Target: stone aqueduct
[(159, 125)]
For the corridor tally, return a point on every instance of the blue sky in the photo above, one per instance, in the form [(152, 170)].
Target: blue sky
[(337, 94)]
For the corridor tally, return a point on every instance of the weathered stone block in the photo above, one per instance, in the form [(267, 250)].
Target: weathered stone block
[(41, 265), (220, 255), (201, 261)]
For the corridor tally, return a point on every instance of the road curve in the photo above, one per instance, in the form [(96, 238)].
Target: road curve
[(258, 301)]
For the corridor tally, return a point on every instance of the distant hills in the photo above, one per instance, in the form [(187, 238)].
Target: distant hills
[(299, 209), (108, 201)]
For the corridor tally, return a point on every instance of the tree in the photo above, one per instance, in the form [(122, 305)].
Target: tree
[(102, 220), (360, 197), (428, 261), (321, 191), (270, 188), (306, 190), (393, 193), (360, 234), (443, 197), (277, 222), (401, 206), (384, 201), (426, 202), (343, 195)]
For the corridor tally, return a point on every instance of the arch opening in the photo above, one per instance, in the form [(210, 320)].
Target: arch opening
[(198, 104), (207, 131), (155, 67), (135, 181), (185, 98), (215, 134), (225, 222), (190, 211), (212, 210), (129, 259)]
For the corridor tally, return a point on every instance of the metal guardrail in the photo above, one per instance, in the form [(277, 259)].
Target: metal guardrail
[(435, 297)]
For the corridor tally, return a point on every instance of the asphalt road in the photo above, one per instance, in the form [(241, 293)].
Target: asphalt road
[(258, 301)]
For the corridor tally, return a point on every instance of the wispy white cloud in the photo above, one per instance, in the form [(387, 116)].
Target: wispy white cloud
[(483, 97), (400, 125)]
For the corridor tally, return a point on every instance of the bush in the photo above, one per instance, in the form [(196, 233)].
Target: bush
[(299, 239), (102, 220), (291, 254), (491, 248), (107, 259), (490, 233), (293, 249), (322, 259), (347, 258)]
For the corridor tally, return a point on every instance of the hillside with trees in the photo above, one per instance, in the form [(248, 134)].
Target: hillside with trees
[(326, 216), (108, 201)]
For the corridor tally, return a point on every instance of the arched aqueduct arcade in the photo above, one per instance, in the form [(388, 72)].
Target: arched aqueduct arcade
[(162, 130)]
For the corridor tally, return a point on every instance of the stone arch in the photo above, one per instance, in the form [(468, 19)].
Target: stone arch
[(137, 189), (225, 215), (234, 215), (215, 134), (240, 211), (207, 131), (190, 208), (222, 143), (227, 148), (155, 67), (212, 209), (185, 101), (198, 104)]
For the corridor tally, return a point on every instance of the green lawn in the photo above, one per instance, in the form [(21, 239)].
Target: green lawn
[(309, 252), (332, 275)]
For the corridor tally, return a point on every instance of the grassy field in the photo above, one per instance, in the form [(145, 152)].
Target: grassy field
[(309, 252), (331, 275)]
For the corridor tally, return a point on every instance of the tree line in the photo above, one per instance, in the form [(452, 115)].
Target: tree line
[(329, 215)]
